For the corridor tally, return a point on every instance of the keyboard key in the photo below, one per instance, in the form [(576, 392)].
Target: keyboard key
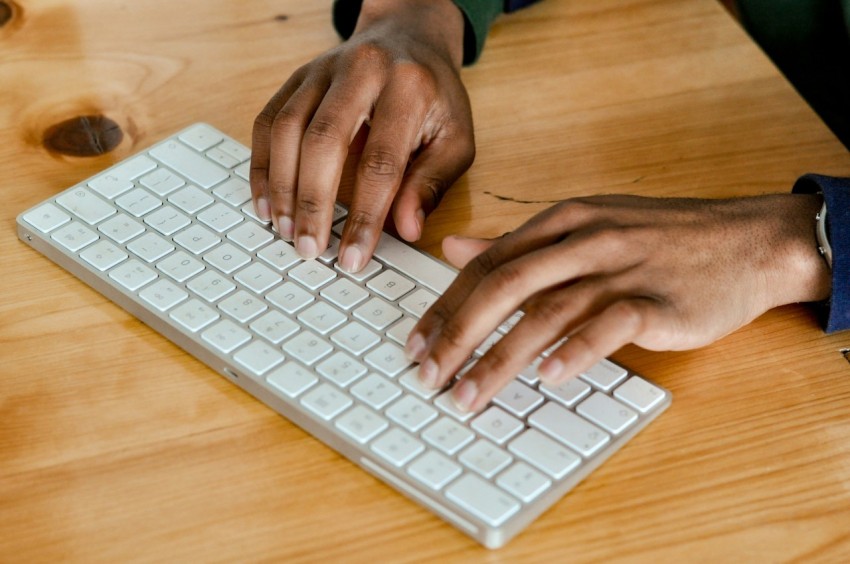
[(132, 274), (485, 458), (120, 178), (226, 336), (390, 285), (161, 181), (292, 379), (138, 202), (194, 315), (280, 255), (639, 394), (410, 380), (397, 447), (326, 401), (312, 274), (445, 402), (387, 358), (74, 236), (258, 357), (321, 317), (257, 277), (242, 306), (227, 258), (361, 424), (180, 266), (544, 453), (201, 137), (517, 398), (523, 481), (167, 220), (355, 338), (189, 164), (376, 391), (220, 217), (418, 302), (103, 255), (482, 499), (448, 435), (400, 331), (222, 158), (569, 428), (250, 236), (411, 413), (567, 393), (211, 285), (46, 218), (341, 369), (418, 266), (85, 205), (605, 375), (434, 470), (163, 295), (497, 425), (121, 228), (196, 239), (191, 199), (377, 313), (233, 191), (307, 347), (274, 326), (150, 247), (344, 293), (290, 297), (367, 271), (607, 412)]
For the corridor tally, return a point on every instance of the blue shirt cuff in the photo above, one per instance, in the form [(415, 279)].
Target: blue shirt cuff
[(836, 194)]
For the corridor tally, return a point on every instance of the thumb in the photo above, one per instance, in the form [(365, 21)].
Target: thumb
[(460, 250)]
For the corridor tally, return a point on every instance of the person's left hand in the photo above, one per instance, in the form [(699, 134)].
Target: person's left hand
[(664, 274)]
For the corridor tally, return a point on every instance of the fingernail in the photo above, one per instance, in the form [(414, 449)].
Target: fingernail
[(550, 370), (306, 247), (428, 373), (415, 347), (464, 394), (286, 227), (262, 209), (351, 259)]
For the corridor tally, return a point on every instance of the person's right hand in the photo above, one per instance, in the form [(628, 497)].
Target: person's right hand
[(398, 75)]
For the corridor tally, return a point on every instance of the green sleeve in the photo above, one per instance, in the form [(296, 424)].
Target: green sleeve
[(478, 14)]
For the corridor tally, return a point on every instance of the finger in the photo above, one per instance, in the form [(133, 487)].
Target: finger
[(548, 318), (394, 135), (432, 173), (261, 146), (285, 151), (618, 325), (457, 332), (323, 151), (460, 250), (545, 229)]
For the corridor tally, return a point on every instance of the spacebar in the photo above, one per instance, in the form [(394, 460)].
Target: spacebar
[(415, 264)]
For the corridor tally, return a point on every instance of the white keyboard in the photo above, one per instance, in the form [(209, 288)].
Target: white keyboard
[(171, 236)]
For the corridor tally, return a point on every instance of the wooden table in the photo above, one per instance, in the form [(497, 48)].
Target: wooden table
[(115, 445)]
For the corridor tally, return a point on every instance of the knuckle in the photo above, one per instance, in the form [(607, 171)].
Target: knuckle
[(548, 312), (416, 77), (367, 53), (380, 164), (453, 334), (506, 279), (309, 205), (360, 218), (321, 130)]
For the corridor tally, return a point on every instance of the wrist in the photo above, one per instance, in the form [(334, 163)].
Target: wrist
[(434, 23), (801, 274)]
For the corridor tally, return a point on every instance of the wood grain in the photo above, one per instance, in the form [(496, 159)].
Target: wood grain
[(115, 445)]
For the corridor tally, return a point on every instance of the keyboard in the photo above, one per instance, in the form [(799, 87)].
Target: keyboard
[(170, 235)]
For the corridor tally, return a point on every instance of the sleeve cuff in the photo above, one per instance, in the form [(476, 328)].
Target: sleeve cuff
[(477, 15), (836, 193)]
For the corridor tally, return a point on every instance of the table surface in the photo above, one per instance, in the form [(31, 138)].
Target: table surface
[(116, 445)]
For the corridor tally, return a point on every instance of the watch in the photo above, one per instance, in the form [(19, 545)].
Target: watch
[(820, 232)]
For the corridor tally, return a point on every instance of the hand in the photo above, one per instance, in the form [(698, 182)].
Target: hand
[(664, 274), (398, 78)]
